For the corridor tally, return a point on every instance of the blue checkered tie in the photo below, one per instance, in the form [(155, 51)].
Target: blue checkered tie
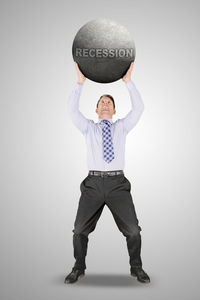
[(108, 154)]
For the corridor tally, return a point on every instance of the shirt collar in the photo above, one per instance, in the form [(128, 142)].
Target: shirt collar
[(110, 120)]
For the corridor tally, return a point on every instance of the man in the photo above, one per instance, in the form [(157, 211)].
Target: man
[(106, 183)]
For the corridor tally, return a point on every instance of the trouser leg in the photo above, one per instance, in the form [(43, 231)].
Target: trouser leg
[(89, 210), (119, 201)]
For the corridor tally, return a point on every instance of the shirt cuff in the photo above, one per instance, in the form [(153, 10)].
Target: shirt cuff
[(78, 86), (129, 84)]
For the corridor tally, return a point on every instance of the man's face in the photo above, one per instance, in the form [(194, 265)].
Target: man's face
[(105, 108)]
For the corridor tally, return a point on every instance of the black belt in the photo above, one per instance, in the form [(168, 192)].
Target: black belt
[(105, 173)]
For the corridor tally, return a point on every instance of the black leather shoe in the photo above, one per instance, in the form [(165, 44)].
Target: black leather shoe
[(140, 274), (74, 275)]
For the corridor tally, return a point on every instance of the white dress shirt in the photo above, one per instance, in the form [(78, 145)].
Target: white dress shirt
[(93, 131)]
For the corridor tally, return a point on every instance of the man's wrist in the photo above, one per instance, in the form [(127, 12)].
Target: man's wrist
[(128, 80)]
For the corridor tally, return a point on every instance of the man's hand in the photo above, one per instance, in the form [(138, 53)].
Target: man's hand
[(127, 76), (81, 77)]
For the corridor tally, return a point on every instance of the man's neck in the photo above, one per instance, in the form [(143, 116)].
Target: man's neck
[(109, 119)]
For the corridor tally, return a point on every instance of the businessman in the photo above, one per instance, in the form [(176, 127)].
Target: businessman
[(106, 182)]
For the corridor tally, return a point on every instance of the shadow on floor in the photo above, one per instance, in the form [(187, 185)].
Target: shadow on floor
[(104, 280), (108, 280)]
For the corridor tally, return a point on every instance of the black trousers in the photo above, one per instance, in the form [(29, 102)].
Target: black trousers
[(114, 191)]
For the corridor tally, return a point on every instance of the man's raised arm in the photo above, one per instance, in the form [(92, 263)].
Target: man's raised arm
[(136, 102), (73, 103)]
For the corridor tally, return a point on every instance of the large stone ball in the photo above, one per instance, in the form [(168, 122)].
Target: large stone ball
[(103, 50)]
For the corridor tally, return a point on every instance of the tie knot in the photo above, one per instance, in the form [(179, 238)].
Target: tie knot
[(105, 122)]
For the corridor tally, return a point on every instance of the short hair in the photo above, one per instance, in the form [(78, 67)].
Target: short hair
[(109, 96)]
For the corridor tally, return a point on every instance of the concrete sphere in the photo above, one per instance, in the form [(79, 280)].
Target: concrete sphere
[(103, 50)]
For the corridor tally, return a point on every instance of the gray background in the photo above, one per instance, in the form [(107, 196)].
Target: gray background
[(43, 155)]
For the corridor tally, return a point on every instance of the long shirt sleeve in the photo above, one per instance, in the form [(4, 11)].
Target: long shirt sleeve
[(137, 107), (73, 107)]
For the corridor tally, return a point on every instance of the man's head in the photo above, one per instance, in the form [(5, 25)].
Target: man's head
[(105, 107)]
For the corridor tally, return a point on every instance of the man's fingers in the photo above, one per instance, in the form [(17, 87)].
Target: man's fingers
[(130, 69), (76, 66), (131, 66)]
